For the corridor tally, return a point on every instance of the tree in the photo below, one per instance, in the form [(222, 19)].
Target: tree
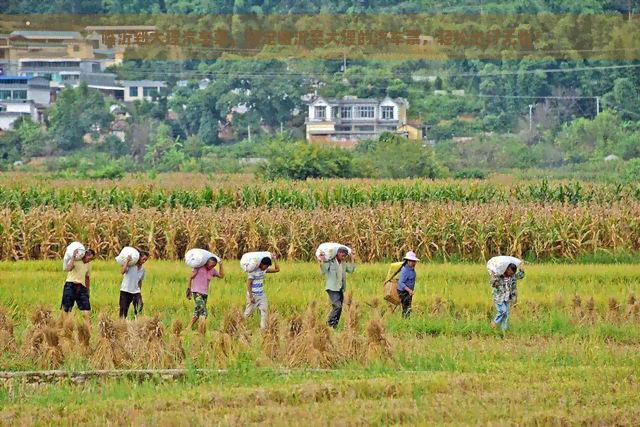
[(163, 153), (77, 112), (208, 132), (33, 138), (623, 99)]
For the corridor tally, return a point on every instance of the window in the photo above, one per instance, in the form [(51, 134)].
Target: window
[(76, 48), (335, 111), (150, 91), (343, 128), (133, 91), (364, 128), (321, 113), (345, 112), (19, 94), (5, 94), (387, 113), (95, 68), (365, 112)]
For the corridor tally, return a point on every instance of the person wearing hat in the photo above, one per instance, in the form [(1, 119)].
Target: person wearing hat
[(407, 282)]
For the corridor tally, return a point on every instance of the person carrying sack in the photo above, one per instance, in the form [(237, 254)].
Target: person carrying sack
[(407, 282)]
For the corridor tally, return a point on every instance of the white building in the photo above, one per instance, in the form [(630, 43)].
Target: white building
[(138, 90), (10, 111), (351, 119)]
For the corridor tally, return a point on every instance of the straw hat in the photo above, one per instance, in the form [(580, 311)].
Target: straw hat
[(411, 256)]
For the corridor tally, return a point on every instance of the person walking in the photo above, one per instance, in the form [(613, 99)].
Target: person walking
[(336, 271), (131, 286), (77, 286), (199, 287), (505, 294), (256, 298), (407, 282)]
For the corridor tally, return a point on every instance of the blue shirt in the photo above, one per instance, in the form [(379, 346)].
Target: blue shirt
[(407, 278)]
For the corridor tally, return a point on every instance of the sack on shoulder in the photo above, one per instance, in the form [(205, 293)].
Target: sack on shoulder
[(391, 292)]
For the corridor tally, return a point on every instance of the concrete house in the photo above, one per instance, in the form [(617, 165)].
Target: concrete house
[(352, 119), (23, 96), (138, 90)]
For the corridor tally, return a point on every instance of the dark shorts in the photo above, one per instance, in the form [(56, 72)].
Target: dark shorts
[(75, 293), (126, 299)]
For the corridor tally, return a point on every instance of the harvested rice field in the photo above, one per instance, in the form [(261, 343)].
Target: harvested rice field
[(569, 357)]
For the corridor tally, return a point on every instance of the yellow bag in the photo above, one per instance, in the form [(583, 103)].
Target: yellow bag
[(391, 285)]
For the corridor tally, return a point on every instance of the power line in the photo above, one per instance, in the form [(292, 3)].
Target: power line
[(621, 109), (396, 74)]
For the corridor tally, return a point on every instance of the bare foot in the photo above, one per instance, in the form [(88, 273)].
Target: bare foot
[(494, 325)]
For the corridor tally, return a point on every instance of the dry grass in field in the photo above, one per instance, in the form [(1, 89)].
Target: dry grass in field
[(271, 338), (435, 230), (153, 343), (109, 351), (7, 339), (175, 350)]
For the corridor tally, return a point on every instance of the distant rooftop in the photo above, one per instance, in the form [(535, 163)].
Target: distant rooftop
[(356, 100), (121, 28), (105, 52), (46, 34), (13, 79), (128, 83)]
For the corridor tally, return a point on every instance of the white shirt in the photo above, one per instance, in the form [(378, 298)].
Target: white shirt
[(257, 282), (131, 280)]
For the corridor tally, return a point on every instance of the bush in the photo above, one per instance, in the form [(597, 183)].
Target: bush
[(471, 174), (302, 160)]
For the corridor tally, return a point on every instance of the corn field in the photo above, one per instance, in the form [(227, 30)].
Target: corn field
[(447, 231), (310, 195)]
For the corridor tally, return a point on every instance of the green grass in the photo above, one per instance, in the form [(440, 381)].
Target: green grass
[(463, 288), (448, 367)]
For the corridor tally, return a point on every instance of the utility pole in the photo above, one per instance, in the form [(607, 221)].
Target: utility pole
[(344, 63), (597, 105), (530, 115), (249, 130), (281, 131)]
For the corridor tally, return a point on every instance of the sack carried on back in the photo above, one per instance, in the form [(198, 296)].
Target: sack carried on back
[(390, 288), (196, 258), (68, 254), (328, 251), (126, 252), (498, 265), (251, 260)]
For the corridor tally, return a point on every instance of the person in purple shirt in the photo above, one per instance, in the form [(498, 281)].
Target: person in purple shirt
[(199, 287), (407, 282)]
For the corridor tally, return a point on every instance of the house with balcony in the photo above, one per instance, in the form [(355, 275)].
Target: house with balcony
[(58, 70), (24, 44), (349, 120), (23, 96)]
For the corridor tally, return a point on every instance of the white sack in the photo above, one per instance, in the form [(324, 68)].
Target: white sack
[(251, 260), (328, 251), (68, 254), (498, 265), (126, 252), (196, 258)]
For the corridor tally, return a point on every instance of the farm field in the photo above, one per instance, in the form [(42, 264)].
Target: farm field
[(443, 220), (569, 357)]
